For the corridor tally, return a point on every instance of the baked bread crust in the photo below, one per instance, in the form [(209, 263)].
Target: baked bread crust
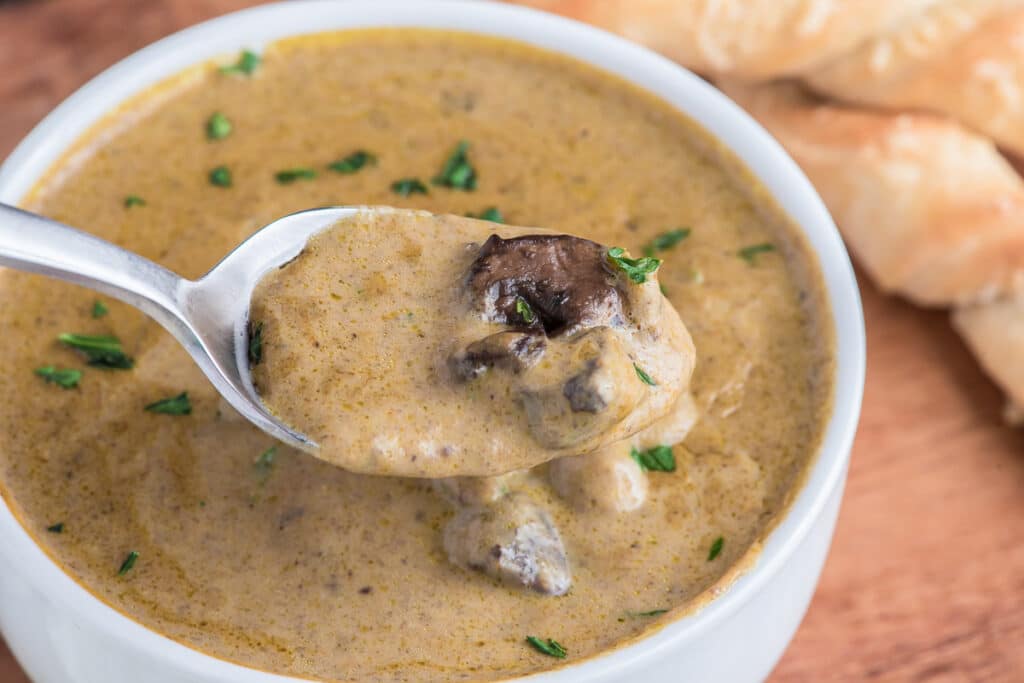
[(749, 39), (932, 210), (962, 58)]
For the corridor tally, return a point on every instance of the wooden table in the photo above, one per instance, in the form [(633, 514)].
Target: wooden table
[(926, 577)]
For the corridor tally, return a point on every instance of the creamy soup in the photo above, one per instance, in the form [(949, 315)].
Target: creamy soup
[(130, 472), (407, 343)]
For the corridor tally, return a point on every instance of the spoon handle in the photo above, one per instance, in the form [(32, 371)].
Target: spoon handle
[(40, 245)]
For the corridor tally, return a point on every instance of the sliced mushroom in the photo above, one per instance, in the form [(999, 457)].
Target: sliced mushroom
[(511, 350), (564, 281), (582, 388), (608, 480), (477, 490), (673, 427), (512, 539)]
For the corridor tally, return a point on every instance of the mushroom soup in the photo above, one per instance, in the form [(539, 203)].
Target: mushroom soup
[(130, 472)]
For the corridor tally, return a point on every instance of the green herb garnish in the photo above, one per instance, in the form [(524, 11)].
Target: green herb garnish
[(247, 63), (650, 613), (264, 463), (408, 186), (99, 309), (221, 176), (218, 126), (749, 254), (290, 175), (636, 269), (133, 200), (65, 378), (644, 377), (353, 162), (549, 647), (492, 214), (657, 459), (128, 563), (100, 350), (524, 310), (666, 240), (57, 528), (457, 173), (255, 343), (177, 405), (716, 548)]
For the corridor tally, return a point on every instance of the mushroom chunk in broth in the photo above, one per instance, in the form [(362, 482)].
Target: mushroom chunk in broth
[(412, 344)]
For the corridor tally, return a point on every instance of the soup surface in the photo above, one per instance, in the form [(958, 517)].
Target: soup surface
[(183, 516)]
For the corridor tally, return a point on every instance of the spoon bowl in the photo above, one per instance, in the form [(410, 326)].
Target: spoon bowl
[(208, 316)]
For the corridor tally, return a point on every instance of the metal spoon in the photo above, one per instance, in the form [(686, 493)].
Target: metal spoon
[(208, 316)]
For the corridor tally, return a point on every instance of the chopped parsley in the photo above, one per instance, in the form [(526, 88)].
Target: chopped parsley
[(750, 254), (129, 562), (99, 309), (264, 463), (549, 647), (64, 378), (408, 186), (644, 377), (649, 613), (457, 172), (492, 214), (290, 175), (57, 528), (524, 311), (218, 126), (666, 240), (716, 548), (133, 200), (656, 459), (102, 351), (221, 176), (353, 162), (176, 405), (247, 63), (636, 269), (255, 343)]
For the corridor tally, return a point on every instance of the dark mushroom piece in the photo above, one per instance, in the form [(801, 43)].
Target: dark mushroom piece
[(512, 350), (512, 539), (564, 282)]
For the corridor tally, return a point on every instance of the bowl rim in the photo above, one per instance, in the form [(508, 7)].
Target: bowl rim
[(719, 116)]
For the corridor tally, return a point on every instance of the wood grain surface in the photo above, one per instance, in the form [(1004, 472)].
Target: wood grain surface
[(925, 581)]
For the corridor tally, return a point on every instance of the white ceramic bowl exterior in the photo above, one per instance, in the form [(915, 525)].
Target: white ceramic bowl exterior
[(62, 634)]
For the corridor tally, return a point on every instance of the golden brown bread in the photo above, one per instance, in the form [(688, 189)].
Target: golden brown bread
[(750, 39), (932, 210), (995, 334), (963, 58)]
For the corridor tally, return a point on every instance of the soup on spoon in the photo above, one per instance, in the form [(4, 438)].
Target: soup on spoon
[(413, 344)]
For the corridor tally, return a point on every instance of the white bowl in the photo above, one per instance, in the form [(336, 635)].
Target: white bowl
[(61, 633)]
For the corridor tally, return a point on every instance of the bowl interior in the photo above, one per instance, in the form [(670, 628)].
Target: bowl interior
[(720, 117)]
